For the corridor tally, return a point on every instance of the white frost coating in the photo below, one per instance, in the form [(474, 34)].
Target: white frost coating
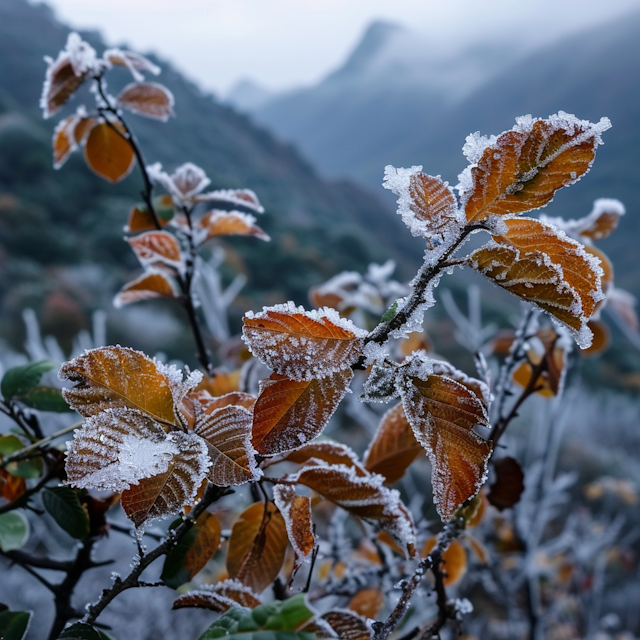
[(184, 183), (381, 385), (524, 124), (417, 365), (249, 221), (143, 458), (474, 146), (134, 62), (283, 496), (463, 606), (242, 197), (303, 355)]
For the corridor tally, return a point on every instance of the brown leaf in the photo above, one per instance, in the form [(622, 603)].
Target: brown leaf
[(11, 487), (257, 546), (204, 545), (155, 247), (147, 99), (508, 486), (108, 153), (394, 447), (454, 561), (367, 603), (165, 494), (302, 345), (551, 271), (219, 597), (237, 398), (227, 433), (243, 197), (132, 61), (432, 204), (347, 625), (234, 223), (289, 413), (524, 167), (151, 284), (329, 452), (602, 221), (63, 141), (296, 511), (110, 377), (60, 84), (362, 496), (442, 413), (141, 219)]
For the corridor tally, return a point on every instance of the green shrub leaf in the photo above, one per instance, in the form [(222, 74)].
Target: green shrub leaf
[(30, 468), (82, 631), (14, 624), (46, 399), (14, 530), (63, 504), (19, 380)]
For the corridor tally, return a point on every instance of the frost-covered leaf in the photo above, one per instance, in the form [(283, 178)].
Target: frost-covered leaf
[(238, 398), (542, 265), (329, 452), (117, 448), (302, 345), (82, 127), (296, 511), (243, 197), (601, 338), (66, 73), (442, 413), (151, 284), (521, 169), (155, 247), (132, 61), (227, 433), (549, 383), (63, 141), (454, 560), (219, 597), (601, 222), (63, 504), (362, 496), (232, 223), (192, 552), (108, 152), (257, 546), (148, 99), (394, 447), (186, 182), (141, 219), (508, 485), (367, 603), (289, 413), (347, 625), (166, 493), (381, 385), (427, 204)]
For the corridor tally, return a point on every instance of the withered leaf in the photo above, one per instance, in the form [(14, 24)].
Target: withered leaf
[(296, 511), (329, 452), (432, 204), (227, 433), (232, 223), (219, 597), (132, 61), (539, 264), (524, 167), (442, 413), (394, 447), (454, 560), (242, 197), (238, 398), (60, 84), (63, 141), (347, 625), (108, 152), (367, 603), (155, 247), (257, 546), (302, 345), (508, 486), (148, 99), (151, 284), (11, 487), (289, 413), (110, 377), (165, 494)]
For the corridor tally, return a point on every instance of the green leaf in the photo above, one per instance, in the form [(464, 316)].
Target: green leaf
[(63, 504), (174, 573), (14, 624), (390, 313), (46, 399), (18, 381), (82, 631), (31, 468), (274, 621), (14, 530)]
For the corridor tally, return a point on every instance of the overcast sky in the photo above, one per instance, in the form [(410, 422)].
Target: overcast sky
[(284, 43)]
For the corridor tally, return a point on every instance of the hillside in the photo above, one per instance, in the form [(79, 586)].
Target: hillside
[(50, 219)]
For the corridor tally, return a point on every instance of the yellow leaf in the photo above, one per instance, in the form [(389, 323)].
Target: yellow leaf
[(108, 153), (151, 284)]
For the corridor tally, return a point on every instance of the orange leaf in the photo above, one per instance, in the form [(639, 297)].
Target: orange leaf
[(81, 129), (302, 345), (367, 603), (108, 153), (454, 561), (347, 625), (155, 247), (362, 496), (227, 433), (141, 219), (63, 141), (219, 597), (110, 377), (221, 383), (151, 284), (601, 338), (534, 261), (11, 487), (508, 486), (523, 168), (601, 222), (394, 447), (329, 452), (257, 546), (166, 493), (147, 99), (442, 413), (233, 223), (204, 545), (238, 398), (296, 511), (289, 413)]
